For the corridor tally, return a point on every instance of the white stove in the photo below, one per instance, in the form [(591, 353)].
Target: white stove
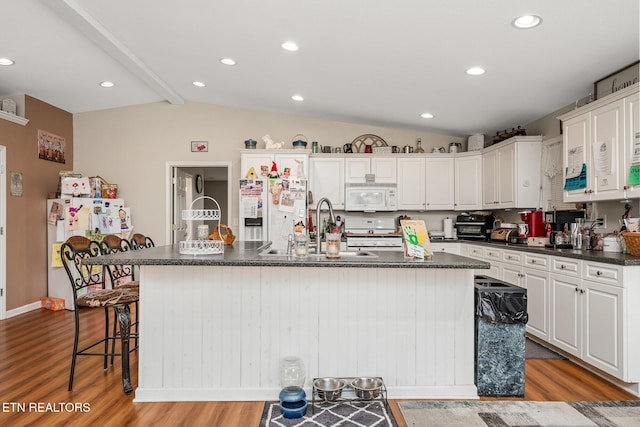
[(369, 233)]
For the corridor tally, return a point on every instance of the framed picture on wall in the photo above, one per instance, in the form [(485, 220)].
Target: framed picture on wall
[(199, 146)]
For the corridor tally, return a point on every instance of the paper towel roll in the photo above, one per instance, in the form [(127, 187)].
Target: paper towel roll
[(448, 228)]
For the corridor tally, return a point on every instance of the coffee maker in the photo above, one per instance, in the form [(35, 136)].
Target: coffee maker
[(560, 223), (534, 224)]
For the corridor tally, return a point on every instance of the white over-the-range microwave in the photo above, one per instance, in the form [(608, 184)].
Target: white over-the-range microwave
[(370, 197)]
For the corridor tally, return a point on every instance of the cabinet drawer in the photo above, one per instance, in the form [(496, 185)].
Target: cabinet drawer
[(601, 273), (566, 266), (540, 262), (451, 248), (491, 254), (512, 257), (476, 252)]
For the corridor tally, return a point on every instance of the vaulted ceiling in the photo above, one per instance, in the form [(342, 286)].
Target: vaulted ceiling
[(377, 62)]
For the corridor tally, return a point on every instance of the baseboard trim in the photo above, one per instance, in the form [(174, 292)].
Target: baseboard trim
[(24, 309)]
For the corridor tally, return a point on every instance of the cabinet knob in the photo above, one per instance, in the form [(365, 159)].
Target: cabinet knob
[(598, 273), (582, 291), (562, 267), (577, 290), (533, 261)]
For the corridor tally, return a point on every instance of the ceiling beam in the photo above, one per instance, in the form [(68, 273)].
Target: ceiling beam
[(73, 14)]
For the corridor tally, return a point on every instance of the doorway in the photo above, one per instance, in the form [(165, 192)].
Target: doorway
[(197, 182)]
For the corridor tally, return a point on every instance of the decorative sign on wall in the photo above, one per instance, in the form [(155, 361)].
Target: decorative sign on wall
[(199, 146), (614, 82), (16, 184), (51, 147)]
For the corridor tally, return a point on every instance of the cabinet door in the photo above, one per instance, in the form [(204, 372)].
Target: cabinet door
[(468, 183), (326, 179), (607, 133), (255, 161), (411, 183), (384, 168), (577, 134), (506, 179), (632, 132), (291, 163), (537, 284), (439, 185), (566, 313), (355, 169), (511, 274), (603, 327), (489, 179)]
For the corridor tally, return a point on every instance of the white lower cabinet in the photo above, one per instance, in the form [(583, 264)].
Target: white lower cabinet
[(603, 327), (586, 309), (537, 283), (566, 312)]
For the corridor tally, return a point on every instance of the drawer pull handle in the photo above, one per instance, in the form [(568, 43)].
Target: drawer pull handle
[(598, 273), (577, 290), (562, 267), (533, 261)]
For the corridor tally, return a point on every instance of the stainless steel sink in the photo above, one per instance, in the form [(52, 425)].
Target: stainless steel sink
[(345, 254)]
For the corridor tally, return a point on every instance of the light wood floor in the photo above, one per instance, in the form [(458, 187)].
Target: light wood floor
[(34, 368)]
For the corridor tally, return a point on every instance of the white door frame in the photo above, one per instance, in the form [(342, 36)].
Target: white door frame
[(192, 164), (3, 232)]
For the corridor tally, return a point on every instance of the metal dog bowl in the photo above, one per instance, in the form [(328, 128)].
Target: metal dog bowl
[(367, 388), (329, 389)]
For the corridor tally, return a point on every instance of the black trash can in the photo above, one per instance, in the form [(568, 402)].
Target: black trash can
[(500, 319)]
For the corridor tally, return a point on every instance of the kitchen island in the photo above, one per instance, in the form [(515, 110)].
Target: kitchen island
[(214, 327)]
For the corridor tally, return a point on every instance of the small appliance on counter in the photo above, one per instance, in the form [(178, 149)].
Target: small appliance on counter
[(534, 223), (474, 226), (507, 233)]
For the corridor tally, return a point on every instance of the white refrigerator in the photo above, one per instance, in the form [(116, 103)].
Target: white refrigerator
[(272, 209), (79, 216)]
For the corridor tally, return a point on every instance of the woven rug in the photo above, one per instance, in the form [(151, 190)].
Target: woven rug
[(371, 413), (521, 413), (533, 350)]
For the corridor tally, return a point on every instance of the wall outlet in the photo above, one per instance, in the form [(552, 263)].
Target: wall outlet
[(600, 223), (235, 222)]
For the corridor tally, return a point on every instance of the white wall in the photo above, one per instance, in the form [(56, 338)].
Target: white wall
[(130, 146)]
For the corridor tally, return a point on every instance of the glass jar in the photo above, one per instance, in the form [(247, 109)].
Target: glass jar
[(302, 244), (419, 148), (292, 372)]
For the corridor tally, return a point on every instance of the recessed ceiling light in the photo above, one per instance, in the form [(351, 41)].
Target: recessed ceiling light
[(199, 84), (527, 21), (297, 98), (427, 115), (107, 83), (475, 71), (291, 46), (6, 61), (228, 61)]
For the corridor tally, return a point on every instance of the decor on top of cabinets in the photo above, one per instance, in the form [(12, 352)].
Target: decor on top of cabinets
[(299, 141), (623, 78), (360, 144), (270, 144)]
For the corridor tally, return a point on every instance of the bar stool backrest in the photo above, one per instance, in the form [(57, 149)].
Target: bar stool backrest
[(82, 276)]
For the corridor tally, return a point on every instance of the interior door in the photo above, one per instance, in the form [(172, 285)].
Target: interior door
[(180, 190)]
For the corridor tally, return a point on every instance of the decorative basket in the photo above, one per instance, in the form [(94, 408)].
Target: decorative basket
[(632, 240), (198, 246)]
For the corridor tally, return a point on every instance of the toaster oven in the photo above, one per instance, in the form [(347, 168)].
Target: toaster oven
[(474, 226)]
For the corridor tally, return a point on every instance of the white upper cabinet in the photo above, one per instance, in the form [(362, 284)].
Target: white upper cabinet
[(598, 143), (326, 179), (511, 173), (284, 159), (632, 134), (411, 183), (467, 181), (439, 185), (384, 169)]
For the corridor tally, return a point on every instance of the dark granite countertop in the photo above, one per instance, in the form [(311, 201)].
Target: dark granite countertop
[(597, 256), (247, 254)]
